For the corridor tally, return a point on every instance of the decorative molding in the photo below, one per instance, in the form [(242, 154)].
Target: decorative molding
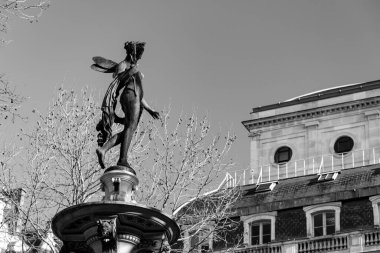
[(149, 244), (107, 233), (312, 124), (309, 210), (278, 145), (255, 134), (313, 113), (375, 207), (372, 114), (247, 220), (357, 142), (128, 238), (92, 239), (140, 222)]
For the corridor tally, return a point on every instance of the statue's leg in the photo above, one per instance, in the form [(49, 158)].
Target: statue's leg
[(101, 151), (130, 104)]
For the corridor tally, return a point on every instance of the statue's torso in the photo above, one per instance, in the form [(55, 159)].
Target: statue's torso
[(132, 85)]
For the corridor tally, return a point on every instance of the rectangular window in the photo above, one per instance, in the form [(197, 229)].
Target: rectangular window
[(318, 224), (266, 233), (330, 223), (324, 223), (255, 234), (260, 232)]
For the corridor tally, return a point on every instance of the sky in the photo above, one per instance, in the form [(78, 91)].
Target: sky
[(218, 57)]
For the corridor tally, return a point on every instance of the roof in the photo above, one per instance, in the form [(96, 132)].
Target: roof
[(304, 191), (322, 94)]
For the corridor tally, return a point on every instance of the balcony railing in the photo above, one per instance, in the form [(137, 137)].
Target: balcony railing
[(308, 166), (324, 244), (356, 241), (261, 249), (372, 238)]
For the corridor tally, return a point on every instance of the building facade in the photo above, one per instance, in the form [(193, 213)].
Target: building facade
[(13, 239), (314, 181)]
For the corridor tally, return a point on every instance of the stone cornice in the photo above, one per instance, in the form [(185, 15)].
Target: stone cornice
[(312, 113), (328, 93)]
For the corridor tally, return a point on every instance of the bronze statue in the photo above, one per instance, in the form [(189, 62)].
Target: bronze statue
[(129, 78)]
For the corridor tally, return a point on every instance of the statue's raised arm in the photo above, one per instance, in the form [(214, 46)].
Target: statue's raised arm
[(127, 76)]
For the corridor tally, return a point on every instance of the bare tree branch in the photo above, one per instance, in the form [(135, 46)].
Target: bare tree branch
[(29, 10), (178, 167), (10, 101)]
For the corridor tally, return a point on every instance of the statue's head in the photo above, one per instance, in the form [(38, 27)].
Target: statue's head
[(134, 50)]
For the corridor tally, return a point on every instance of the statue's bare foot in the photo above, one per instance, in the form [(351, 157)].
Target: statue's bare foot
[(100, 155)]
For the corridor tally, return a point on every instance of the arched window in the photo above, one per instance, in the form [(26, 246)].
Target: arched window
[(259, 228), (323, 219), (283, 155), (343, 144)]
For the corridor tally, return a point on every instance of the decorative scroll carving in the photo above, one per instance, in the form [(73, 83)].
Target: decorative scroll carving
[(165, 247), (107, 233)]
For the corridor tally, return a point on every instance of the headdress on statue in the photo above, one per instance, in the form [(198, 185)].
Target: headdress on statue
[(134, 49)]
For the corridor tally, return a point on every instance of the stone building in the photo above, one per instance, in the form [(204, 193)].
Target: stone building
[(13, 239), (314, 181)]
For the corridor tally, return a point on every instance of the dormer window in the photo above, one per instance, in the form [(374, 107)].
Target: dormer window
[(283, 155), (323, 219), (259, 228), (260, 232), (343, 144), (328, 176), (324, 223)]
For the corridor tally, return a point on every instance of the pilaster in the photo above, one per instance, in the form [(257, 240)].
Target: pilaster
[(255, 153)]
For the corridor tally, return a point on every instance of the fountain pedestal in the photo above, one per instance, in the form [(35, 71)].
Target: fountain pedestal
[(117, 224)]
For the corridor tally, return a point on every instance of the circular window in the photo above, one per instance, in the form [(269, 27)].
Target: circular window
[(343, 144), (283, 155)]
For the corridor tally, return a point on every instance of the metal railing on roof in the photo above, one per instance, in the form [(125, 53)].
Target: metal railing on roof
[(308, 166)]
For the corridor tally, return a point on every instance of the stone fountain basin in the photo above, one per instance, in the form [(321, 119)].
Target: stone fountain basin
[(77, 223)]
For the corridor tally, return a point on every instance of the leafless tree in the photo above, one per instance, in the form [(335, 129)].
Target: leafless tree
[(25, 214), (180, 164), (29, 10), (64, 140), (188, 164), (21, 222), (10, 101), (207, 222), (57, 167)]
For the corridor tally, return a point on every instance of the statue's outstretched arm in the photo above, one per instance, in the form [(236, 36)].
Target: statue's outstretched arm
[(152, 112)]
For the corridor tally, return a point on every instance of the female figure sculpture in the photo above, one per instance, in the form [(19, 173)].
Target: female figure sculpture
[(126, 77)]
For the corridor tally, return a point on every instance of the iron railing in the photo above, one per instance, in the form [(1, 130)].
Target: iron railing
[(301, 167)]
